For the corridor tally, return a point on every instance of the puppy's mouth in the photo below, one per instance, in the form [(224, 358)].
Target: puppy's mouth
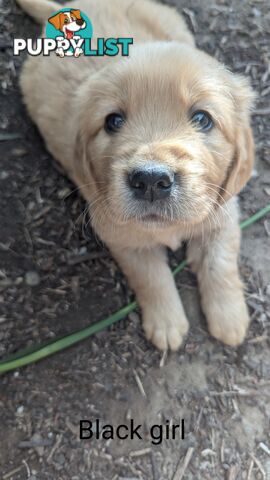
[(69, 34), (153, 218)]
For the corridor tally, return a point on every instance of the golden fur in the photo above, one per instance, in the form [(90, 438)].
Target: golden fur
[(158, 87)]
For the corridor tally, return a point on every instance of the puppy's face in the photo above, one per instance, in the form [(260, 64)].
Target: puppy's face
[(165, 137), (68, 22)]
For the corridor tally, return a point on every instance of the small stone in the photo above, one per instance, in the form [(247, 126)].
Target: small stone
[(19, 152), (254, 173), (267, 227), (256, 12), (36, 438), (133, 317), (32, 279), (264, 448), (208, 453), (60, 458), (20, 409), (6, 282), (63, 193), (4, 175)]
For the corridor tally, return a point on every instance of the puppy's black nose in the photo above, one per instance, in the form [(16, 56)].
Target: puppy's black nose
[(80, 21), (151, 183)]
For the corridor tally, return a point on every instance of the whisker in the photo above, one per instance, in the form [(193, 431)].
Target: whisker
[(80, 187)]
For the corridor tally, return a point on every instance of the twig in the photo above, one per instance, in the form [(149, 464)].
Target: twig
[(264, 448), (192, 18), (72, 427), (27, 468), (140, 453), (181, 469), (261, 111), (35, 443), (139, 383), (12, 472), (259, 339), (56, 445), (250, 468), (134, 470), (241, 393), (233, 473), (198, 421), (154, 467), (259, 465), (9, 136), (222, 458), (86, 257), (163, 359)]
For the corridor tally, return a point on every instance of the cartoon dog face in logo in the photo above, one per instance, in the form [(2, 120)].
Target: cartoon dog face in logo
[(68, 23)]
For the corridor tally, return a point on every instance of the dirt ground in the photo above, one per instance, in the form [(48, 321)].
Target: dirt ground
[(221, 393)]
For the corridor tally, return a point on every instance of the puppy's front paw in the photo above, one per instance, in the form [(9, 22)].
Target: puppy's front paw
[(60, 52), (165, 327), (228, 320), (78, 52)]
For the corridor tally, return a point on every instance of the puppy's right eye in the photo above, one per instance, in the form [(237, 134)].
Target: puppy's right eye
[(202, 120), (66, 20), (114, 122)]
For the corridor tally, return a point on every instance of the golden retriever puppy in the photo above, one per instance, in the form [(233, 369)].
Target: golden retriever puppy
[(159, 143)]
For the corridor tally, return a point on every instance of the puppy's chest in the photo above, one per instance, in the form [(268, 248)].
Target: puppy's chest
[(170, 239), (140, 238)]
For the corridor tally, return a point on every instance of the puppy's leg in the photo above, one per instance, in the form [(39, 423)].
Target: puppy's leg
[(221, 289), (148, 273)]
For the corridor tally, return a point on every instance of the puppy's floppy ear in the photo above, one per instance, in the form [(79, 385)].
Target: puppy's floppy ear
[(242, 164), (56, 20), (76, 13)]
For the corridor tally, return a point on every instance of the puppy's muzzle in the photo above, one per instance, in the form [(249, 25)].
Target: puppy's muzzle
[(151, 183)]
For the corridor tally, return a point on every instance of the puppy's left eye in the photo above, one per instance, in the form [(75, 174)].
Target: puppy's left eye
[(114, 122), (202, 120)]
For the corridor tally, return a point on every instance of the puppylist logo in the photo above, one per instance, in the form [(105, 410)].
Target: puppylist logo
[(69, 33)]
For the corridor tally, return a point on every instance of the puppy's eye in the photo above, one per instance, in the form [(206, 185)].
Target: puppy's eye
[(202, 120), (114, 122), (66, 20)]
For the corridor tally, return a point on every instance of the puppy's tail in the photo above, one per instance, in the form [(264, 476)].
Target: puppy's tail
[(40, 10)]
